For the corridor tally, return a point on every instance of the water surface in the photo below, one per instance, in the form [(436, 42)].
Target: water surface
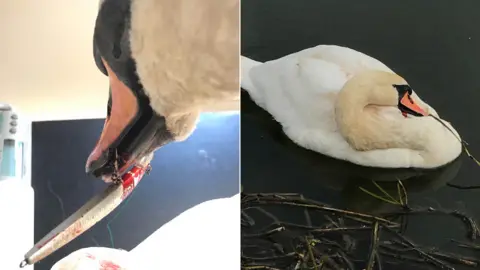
[(435, 45)]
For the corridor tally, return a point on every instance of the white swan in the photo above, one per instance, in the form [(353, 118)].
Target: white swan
[(350, 106)]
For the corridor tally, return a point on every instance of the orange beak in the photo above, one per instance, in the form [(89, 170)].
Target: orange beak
[(408, 106)]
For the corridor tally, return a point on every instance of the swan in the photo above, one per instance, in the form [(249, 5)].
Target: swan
[(166, 61), (345, 104)]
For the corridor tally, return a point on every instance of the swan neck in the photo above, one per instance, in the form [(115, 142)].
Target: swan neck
[(352, 101), (366, 129)]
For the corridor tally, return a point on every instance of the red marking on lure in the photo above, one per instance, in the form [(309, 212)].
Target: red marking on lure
[(130, 180), (46, 242), (109, 265), (77, 229)]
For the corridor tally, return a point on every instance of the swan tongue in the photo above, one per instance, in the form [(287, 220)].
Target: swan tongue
[(408, 106)]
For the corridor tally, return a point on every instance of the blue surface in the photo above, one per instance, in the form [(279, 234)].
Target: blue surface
[(8, 160)]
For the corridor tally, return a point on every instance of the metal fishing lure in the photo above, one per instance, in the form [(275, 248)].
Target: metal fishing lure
[(89, 214)]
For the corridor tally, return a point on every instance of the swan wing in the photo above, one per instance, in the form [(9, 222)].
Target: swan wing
[(290, 72), (350, 60), (293, 88), (303, 85), (323, 68)]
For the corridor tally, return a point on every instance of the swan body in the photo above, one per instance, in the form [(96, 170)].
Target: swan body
[(208, 232), (342, 103)]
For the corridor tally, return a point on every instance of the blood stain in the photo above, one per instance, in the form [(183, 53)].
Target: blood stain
[(90, 256), (109, 265)]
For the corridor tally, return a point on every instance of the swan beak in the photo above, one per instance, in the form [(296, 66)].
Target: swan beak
[(122, 108), (132, 129), (408, 106), (131, 132)]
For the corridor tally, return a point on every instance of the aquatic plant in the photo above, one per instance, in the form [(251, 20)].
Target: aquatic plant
[(339, 238)]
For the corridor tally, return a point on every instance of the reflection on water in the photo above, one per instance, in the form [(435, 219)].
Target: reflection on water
[(356, 183)]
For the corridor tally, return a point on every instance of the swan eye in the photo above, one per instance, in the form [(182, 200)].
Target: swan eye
[(410, 90), (403, 89)]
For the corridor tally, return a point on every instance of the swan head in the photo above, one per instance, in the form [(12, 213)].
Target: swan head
[(405, 101), (382, 89), (134, 126)]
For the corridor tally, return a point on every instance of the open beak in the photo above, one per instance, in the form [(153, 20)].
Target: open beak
[(132, 129), (104, 160), (408, 106)]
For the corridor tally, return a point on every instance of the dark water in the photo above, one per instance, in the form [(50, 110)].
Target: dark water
[(204, 167), (435, 45)]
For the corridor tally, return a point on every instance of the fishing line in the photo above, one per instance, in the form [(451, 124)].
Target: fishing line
[(116, 215), (465, 148)]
